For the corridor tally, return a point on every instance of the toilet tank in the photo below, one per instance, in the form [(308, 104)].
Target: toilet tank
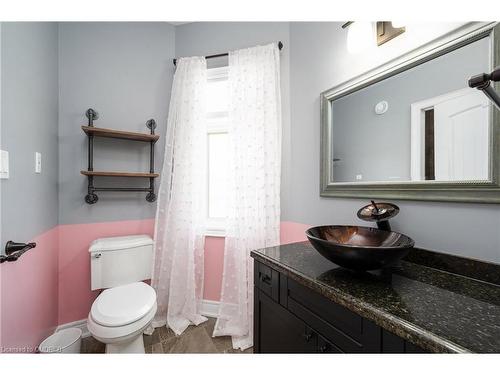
[(116, 261)]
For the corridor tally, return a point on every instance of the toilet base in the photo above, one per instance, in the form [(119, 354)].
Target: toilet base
[(130, 347), (122, 339)]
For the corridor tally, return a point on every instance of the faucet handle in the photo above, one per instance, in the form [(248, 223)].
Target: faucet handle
[(380, 211)]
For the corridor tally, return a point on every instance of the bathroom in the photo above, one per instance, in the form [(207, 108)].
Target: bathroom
[(63, 80)]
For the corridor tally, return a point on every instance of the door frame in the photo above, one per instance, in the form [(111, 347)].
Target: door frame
[(417, 125)]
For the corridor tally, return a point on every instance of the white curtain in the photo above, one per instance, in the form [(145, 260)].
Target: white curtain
[(254, 186), (179, 238)]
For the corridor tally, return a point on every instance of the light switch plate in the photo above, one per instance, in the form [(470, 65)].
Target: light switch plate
[(4, 164), (38, 162)]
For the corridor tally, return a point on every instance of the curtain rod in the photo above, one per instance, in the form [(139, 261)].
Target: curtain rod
[(280, 46)]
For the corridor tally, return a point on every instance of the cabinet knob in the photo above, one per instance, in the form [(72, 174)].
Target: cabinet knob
[(308, 336), (265, 278)]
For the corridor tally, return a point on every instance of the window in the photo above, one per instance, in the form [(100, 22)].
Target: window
[(217, 149)]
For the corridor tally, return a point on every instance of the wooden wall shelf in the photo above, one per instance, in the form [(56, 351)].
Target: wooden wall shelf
[(120, 134), (119, 174), (92, 132)]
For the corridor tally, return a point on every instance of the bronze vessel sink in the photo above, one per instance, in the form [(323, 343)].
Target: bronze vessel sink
[(359, 248)]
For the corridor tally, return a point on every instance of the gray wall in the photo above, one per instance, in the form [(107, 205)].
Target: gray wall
[(315, 59), (319, 61), (29, 114), (124, 71), (378, 146)]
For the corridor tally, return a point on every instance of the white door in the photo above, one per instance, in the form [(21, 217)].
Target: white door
[(461, 137)]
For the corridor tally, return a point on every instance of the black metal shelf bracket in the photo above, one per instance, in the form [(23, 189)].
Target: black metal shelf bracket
[(91, 196), (91, 115), (151, 196), (14, 250)]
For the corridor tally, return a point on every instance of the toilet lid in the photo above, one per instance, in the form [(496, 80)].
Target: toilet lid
[(123, 304)]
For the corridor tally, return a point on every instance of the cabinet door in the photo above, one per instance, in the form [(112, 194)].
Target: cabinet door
[(395, 344), (325, 346), (279, 331)]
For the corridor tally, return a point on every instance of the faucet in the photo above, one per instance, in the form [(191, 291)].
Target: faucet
[(379, 212)]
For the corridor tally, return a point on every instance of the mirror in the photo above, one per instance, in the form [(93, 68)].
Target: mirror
[(421, 124), (415, 130)]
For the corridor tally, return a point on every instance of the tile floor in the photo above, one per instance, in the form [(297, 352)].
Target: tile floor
[(194, 340)]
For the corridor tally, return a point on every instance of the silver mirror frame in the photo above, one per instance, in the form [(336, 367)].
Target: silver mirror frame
[(466, 191)]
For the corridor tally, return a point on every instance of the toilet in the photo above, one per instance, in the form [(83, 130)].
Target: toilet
[(127, 305)]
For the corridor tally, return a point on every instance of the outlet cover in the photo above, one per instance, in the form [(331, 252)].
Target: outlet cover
[(4, 164), (38, 162)]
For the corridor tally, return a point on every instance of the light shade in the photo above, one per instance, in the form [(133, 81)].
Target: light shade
[(360, 36), (398, 23)]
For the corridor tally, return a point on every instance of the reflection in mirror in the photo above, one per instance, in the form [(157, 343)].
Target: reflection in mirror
[(421, 124)]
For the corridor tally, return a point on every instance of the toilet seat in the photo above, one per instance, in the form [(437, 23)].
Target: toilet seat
[(123, 305), (110, 335), (122, 311)]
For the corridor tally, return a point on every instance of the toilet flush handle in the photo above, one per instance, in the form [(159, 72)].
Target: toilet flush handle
[(98, 255)]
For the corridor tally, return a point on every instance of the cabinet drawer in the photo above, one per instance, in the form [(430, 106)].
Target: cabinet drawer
[(332, 313), (325, 346), (342, 341), (267, 280)]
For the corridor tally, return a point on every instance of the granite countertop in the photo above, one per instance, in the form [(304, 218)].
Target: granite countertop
[(435, 309)]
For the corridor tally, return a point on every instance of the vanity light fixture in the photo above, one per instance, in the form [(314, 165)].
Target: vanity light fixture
[(387, 30), (398, 24), (360, 34)]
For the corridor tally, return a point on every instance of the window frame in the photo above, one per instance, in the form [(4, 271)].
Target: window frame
[(216, 123)]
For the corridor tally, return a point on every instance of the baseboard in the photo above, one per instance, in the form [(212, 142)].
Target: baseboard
[(209, 308), (82, 324)]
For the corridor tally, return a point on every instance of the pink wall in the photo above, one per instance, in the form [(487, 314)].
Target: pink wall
[(214, 256), (50, 285), (293, 232), (29, 296), (75, 296), (214, 263)]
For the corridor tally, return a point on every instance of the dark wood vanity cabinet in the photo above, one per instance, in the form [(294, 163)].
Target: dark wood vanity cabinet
[(291, 318)]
